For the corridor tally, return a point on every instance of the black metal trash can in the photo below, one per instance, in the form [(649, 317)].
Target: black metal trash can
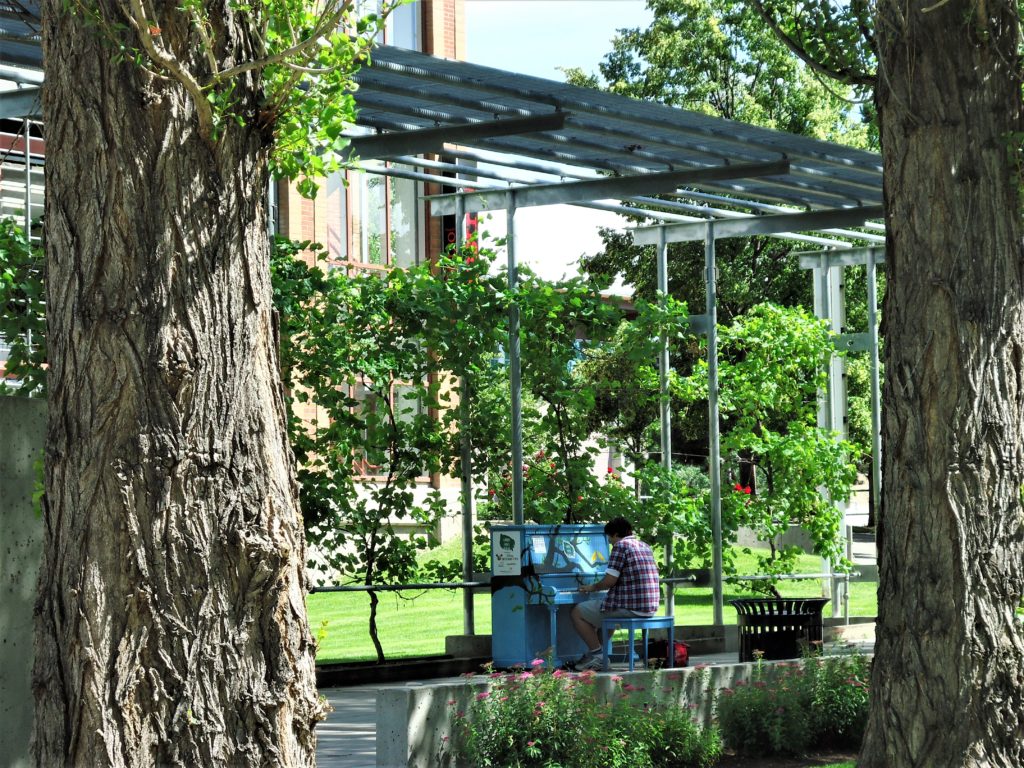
[(776, 626)]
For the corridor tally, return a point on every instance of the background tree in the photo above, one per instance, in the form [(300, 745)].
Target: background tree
[(171, 627), (22, 312), (720, 57), (375, 356), (787, 470)]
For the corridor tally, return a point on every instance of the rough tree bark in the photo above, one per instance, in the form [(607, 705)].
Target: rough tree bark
[(948, 680), (171, 627)]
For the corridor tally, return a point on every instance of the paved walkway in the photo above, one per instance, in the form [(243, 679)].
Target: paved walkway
[(348, 738)]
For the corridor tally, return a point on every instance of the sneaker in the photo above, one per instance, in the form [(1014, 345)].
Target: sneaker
[(595, 662)]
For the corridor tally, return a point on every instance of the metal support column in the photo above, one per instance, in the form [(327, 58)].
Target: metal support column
[(714, 443), (830, 305), (876, 400), (514, 367), (465, 458), (666, 412)]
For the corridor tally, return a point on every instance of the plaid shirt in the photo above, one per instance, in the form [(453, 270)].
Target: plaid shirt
[(637, 588)]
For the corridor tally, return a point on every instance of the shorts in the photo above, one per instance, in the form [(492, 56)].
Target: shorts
[(591, 612)]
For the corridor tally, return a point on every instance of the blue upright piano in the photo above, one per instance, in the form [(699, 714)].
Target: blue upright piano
[(536, 572)]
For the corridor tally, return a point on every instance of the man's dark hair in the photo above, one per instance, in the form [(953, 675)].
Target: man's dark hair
[(618, 526)]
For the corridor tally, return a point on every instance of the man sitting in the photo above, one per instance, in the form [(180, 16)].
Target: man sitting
[(631, 579)]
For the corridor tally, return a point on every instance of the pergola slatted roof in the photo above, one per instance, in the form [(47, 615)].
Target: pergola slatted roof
[(404, 90), (20, 38), (600, 134)]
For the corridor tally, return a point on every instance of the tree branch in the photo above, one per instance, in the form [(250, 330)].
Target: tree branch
[(137, 19), (200, 23), (301, 48), (844, 75)]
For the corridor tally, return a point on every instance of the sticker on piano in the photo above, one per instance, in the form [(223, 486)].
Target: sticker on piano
[(506, 553)]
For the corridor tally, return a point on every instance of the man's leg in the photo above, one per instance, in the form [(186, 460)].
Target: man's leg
[(583, 618)]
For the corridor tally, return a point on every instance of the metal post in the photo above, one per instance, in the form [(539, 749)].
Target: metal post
[(714, 447), (666, 410), (514, 368), (28, 180), (465, 458), (876, 407), (830, 305)]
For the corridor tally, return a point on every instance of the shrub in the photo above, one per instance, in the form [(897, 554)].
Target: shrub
[(839, 699), (538, 718), (822, 702)]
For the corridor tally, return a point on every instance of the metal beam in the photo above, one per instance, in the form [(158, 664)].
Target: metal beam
[(434, 139), (20, 103), (762, 225), (21, 75), (842, 257), (606, 188)]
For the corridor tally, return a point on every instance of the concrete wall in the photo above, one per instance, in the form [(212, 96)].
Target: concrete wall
[(415, 724), (22, 430)]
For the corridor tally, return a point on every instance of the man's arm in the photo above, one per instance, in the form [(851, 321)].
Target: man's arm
[(606, 583)]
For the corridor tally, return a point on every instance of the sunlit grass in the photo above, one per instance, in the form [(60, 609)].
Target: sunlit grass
[(416, 623)]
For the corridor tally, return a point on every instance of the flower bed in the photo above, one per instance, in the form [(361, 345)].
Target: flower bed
[(539, 718)]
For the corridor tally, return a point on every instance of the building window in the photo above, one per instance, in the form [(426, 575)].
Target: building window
[(382, 213)]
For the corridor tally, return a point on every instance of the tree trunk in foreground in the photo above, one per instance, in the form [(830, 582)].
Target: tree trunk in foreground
[(171, 626), (948, 679)]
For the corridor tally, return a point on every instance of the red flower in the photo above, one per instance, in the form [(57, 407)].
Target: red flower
[(610, 470), (738, 487), (747, 490)]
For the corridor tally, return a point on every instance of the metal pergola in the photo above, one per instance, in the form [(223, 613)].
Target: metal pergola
[(506, 141)]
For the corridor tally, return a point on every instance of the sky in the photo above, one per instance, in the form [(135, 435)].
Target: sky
[(536, 37)]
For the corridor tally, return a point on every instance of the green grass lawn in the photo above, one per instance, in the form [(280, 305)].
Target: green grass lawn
[(416, 623)]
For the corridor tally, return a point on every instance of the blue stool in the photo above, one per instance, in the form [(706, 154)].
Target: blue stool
[(644, 624)]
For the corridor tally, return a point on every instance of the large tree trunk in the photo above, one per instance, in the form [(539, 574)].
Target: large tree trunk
[(171, 626), (948, 680)]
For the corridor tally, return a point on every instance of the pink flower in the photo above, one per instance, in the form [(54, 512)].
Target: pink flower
[(537, 663), (559, 673), (616, 678), (524, 676), (483, 695), (530, 743)]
